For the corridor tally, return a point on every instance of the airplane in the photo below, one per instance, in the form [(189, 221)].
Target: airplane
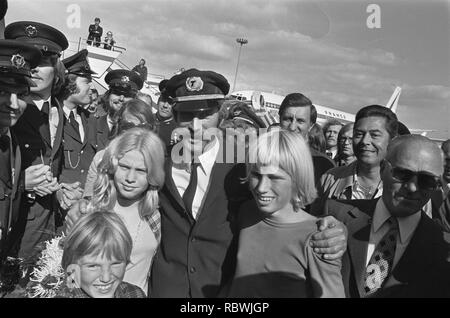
[(266, 105)]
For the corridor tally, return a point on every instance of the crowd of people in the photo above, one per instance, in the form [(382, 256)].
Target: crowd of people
[(201, 199)]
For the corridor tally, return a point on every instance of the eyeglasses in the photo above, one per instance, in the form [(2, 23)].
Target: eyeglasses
[(425, 180)]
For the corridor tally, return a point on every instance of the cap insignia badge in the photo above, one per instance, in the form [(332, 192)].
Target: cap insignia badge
[(125, 79), (194, 84), (18, 61), (31, 31), (237, 112)]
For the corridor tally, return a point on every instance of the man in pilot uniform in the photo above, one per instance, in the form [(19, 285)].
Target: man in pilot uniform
[(79, 149), (16, 60), (123, 87), (39, 132)]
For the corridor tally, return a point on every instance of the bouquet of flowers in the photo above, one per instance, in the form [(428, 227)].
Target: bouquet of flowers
[(46, 276)]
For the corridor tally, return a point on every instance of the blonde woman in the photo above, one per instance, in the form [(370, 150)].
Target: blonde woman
[(129, 176), (274, 257)]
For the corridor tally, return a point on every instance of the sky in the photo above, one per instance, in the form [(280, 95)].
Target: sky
[(323, 49)]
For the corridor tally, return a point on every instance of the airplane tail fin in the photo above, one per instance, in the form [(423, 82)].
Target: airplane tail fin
[(393, 101)]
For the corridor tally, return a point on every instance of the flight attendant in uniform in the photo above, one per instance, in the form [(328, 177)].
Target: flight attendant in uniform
[(16, 60), (39, 132), (78, 148)]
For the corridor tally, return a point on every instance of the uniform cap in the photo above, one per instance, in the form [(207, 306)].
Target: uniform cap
[(17, 59), (46, 38), (192, 89), (244, 113), (78, 64), (123, 81)]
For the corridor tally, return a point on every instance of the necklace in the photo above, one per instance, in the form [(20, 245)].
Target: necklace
[(368, 191)]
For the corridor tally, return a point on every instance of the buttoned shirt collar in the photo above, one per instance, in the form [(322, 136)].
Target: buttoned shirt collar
[(67, 111), (40, 102), (407, 225)]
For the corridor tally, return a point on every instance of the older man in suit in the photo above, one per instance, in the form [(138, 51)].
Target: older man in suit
[(394, 248)]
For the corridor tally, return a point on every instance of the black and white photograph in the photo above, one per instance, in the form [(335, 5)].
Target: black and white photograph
[(227, 154)]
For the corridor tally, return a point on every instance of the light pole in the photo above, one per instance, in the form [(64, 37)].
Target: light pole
[(241, 41)]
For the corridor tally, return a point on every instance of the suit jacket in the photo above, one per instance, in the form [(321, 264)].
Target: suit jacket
[(34, 142), (78, 154), (322, 163), (99, 134), (38, 216), (196, 257), (441, 209), (422, 271), (10, 200)]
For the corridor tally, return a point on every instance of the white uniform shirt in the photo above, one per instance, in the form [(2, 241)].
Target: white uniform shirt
[(181, 176)]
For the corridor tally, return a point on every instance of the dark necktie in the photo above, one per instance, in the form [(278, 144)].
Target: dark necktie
[(188, 196), (74, 124), (45, 111), (5, 160), (380, 265)]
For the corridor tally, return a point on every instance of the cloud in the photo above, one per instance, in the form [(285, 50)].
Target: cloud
[(322, 49)]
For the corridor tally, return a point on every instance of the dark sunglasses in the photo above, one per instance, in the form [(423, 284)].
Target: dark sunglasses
[(189, 116), (425, 180)]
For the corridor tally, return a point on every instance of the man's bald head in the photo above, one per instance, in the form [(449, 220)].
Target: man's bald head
[(410, 174), (420, 149)]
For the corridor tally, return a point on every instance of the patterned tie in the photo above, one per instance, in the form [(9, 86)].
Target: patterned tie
[(74, 124), (380, 264), (188, 196)]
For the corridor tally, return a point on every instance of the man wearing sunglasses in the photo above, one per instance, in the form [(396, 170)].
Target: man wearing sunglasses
[(394, 248), (200, 198), (123, 87)]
